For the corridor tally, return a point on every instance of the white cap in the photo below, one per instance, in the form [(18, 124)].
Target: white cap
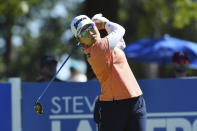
[(78, 23)]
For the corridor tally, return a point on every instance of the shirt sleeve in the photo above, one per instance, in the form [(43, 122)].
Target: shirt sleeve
[(115, 35)]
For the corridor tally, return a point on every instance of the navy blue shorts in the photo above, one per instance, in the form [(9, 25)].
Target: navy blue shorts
[(121, 115)]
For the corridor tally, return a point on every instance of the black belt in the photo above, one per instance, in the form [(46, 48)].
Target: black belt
[(129, 100)]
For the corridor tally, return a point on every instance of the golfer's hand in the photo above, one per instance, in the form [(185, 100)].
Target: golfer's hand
[(100, 24), (100, 21)]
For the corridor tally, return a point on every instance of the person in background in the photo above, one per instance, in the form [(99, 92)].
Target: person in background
[(120, 106), (76, 75), (180, 63), (48, 66)]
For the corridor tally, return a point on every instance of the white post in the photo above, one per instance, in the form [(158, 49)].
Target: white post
[(16, 103), (56, 126)]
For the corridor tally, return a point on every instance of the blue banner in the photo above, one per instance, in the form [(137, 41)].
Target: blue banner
[(67, 106), (5, 109), (171, 105)]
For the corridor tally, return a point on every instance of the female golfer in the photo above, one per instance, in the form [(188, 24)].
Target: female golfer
[(120, 107)]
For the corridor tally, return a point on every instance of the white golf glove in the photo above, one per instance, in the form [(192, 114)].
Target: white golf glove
[(100, 17)]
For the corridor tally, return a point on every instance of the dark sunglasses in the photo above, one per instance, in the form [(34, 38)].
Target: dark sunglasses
[(179, 61), (84, 33)]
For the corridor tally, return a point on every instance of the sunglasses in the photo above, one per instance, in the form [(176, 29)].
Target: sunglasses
[(84, 33), (179, 61)]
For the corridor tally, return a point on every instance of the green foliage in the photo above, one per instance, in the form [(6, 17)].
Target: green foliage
[(155, 18), (161, 16), (177, 13), (141, 18), (14, 7), (22, 19), (185, 12)]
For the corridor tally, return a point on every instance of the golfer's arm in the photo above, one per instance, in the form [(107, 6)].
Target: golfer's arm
[(115, 35)]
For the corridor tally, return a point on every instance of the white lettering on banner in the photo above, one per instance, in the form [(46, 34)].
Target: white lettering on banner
[(84, 125), (182, 123), (155, 123), (72, 108), (155, 120), (56, 126), (91, 107), (195, 125), (171, 124), (63, 104), (66, 103), (77, 103), (58, 107)]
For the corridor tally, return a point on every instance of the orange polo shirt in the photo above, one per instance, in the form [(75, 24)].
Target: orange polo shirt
[(113, 72)]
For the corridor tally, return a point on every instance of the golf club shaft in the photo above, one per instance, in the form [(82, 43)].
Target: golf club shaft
[(57, 73)]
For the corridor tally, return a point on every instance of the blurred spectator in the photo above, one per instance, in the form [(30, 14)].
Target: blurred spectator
[(76, 75), (180, 63), (47, 69)]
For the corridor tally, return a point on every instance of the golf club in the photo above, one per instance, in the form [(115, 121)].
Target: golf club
[(37, 106)]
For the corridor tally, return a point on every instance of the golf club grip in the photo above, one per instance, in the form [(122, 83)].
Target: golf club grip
[(57, 72)]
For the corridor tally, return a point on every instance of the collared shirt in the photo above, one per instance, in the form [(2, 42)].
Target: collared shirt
[(113, 71)]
